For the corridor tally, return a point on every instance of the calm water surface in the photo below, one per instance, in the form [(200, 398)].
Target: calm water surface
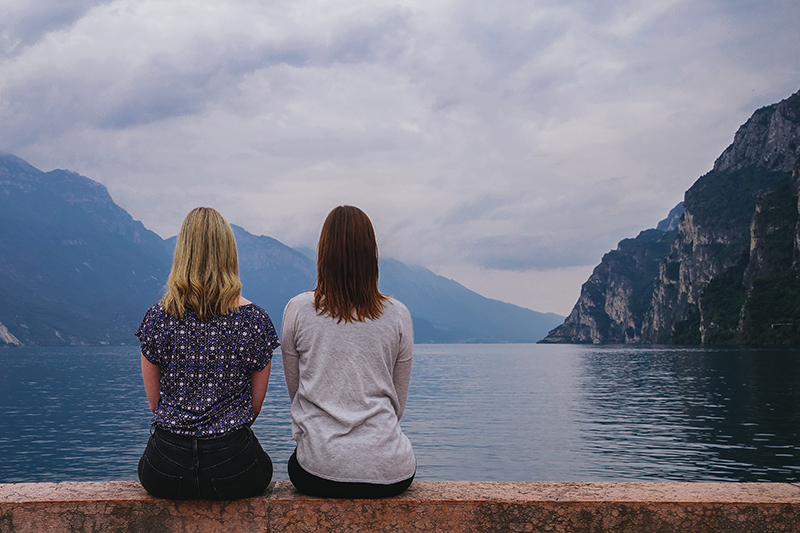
[(475, 412)]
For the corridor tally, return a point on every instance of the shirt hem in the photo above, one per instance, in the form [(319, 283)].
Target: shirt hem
[(370, 481)]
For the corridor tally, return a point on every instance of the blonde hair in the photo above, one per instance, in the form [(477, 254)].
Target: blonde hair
[(205, 270), (347, 267)]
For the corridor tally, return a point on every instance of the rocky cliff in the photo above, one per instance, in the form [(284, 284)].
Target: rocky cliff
[(729, 273)]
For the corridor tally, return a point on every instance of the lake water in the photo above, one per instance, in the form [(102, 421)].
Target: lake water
[(511, 412)]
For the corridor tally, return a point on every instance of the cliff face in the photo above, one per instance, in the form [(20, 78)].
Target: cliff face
[(771, 280), (769, 140), (736, 246), (613, 301)]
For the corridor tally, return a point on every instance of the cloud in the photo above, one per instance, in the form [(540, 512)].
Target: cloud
[(324, 147), (23, 23), (511, 137)]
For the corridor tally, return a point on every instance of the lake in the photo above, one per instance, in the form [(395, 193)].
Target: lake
[(497, 412)]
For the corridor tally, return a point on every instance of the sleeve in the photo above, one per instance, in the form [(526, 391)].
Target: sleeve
[(153, 336), (406, 350), (263, 341), (291, 359), (402, 367)]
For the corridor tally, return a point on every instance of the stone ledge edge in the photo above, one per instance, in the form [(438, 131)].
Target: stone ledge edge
[(451, 492)]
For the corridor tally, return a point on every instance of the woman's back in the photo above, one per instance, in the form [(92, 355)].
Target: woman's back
[(206, 383), (347, 352), (349, 392), (206, 359)]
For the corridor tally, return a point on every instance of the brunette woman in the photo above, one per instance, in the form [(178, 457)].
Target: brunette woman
[(206, 358), (347, 361)]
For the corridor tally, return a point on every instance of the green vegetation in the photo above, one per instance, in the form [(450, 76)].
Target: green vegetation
[(726, 200), (722, 302), (772, 313), (687, 331), (775, 226), (638, 260)]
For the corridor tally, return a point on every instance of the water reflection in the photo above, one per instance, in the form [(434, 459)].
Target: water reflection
[(80, 413), (475, 412), (492, 412), (691, 414)]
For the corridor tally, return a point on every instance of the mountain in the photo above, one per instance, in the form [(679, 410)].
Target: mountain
[(75, 268), (728, 272), (445, 311), (271, 272)]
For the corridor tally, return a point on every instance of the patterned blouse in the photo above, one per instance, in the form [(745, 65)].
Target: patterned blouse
[(206, 366)]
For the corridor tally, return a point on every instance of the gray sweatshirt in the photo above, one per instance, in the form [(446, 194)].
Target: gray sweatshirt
[(348, 384)]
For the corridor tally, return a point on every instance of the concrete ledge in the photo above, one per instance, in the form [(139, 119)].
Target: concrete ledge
[(427, 506), (119, 506)]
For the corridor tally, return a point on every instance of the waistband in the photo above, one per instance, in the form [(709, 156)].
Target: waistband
[(204, 443)]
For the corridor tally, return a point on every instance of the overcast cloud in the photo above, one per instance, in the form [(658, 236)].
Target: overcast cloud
[(506, 145)]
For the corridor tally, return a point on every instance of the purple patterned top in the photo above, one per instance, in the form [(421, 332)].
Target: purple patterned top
[(206, 366)]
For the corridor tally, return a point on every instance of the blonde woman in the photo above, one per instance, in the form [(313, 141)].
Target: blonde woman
[(206, 359), (347, 353)]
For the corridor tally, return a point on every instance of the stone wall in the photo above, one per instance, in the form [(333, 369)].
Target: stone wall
[(429, 506)]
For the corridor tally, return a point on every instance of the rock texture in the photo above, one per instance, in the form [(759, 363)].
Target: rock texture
[(612, 302), (737, 246), (119, 506), (428, 506)]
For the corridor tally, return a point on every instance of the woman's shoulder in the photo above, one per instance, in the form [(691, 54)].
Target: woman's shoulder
[(156, 319), (252, 310), (156, 312), (394, 302), (254, 317), (304, 299), (396, 307)]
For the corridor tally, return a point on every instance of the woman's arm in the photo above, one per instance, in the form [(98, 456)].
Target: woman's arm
[(402, 366), (291, 372), (289, 355), (402, 378), (260, 383), (152, 382)]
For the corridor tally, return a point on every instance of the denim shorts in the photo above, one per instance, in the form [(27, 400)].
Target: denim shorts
[(181, 467)]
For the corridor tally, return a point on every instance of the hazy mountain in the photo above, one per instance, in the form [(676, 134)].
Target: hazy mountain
[(271, 272), (728, 272), (445, 311), (75, 268)]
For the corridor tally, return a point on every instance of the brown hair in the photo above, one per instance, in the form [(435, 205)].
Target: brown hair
[(205, 270), (347, 267)]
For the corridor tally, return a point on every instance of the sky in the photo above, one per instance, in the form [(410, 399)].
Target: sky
[(507, 145)]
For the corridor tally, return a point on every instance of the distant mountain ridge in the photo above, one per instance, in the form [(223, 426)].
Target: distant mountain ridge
[(728, 272), (75, 268)]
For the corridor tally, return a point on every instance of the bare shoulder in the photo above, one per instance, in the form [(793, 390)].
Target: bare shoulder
[(243, 301)]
